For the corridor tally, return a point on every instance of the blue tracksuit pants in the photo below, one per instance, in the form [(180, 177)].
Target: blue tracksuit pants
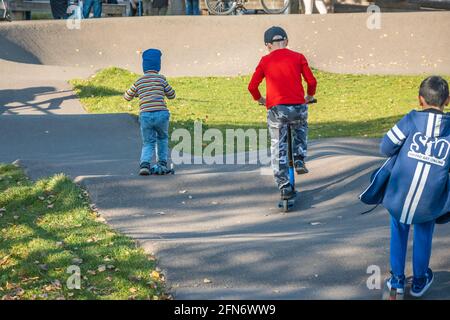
[(423, 235)]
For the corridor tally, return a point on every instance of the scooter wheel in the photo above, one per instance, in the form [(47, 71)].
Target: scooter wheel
[(285, 205)]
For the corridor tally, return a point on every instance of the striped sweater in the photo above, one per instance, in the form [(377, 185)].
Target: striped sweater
[(151, 89)]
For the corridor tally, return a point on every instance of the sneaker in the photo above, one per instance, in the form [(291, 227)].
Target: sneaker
[(397, 283), (144, 169), (160, 168), (300, 166), (420, 285), (287, 192)]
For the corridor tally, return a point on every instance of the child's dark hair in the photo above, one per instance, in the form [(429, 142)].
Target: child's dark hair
[(434, 90)]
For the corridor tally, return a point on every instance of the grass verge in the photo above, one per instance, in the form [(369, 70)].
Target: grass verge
[(48, 231), (348, 105)]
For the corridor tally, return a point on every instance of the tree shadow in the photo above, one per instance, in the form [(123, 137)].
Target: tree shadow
[(12, 101)]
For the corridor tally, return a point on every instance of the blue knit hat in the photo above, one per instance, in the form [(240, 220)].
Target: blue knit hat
[(151, 60)]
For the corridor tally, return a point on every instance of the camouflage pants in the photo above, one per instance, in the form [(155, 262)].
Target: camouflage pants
[(278, 120)]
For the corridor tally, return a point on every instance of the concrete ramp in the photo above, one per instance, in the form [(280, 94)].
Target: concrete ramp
[(406, 43), (218, 222)]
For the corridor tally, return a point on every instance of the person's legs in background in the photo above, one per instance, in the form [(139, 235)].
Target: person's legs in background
[(189, 7), (308, 5), (87, 5), (195, 7), (163, 11), (98, 8), (320, 5)]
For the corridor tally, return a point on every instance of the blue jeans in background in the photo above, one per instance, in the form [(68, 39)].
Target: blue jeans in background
[(87, 6), (192, 7), (154, 133), (423, 235)]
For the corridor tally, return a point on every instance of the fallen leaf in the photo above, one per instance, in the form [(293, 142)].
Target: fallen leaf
[(155, 275), (2, 209), (50, 206), (4, 260), (101, 268), (133, 290), (92, 272), (110, 267), (41, 198), (77, 261)]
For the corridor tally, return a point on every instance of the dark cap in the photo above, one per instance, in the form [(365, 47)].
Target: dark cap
[(274, 34)]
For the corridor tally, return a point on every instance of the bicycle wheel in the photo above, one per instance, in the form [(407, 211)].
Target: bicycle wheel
[(220, 7), (275, 6)]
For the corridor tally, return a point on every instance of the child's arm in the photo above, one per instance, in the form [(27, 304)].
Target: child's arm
[(253, 86), (130, 93), (308, 76), (394, 138), (168, 91)]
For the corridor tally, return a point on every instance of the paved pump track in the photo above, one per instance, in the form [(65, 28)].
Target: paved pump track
[(218, 222)]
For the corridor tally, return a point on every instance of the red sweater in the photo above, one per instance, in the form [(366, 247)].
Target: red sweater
[(283, 70)]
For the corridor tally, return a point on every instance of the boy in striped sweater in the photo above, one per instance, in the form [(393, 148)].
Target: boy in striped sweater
[(151, 89)]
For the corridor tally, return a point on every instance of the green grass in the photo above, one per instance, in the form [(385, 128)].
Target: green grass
[(348, 105), (47, 226)]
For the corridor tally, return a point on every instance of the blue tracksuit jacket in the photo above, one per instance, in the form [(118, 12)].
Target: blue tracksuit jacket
[(418, 188)]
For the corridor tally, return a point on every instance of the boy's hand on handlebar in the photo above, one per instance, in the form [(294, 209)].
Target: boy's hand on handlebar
[(309, 98), (262, 101)]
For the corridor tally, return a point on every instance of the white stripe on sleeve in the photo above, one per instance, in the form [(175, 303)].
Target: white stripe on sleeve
[(398, 132), (393, 137)]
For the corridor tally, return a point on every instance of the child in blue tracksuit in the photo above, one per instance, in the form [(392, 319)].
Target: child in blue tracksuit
[(417, 192), (152, 89)]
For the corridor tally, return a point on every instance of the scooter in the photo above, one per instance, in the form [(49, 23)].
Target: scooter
[(287, 204)]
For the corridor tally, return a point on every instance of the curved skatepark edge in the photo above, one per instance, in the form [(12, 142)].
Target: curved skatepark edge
[(230, 231)]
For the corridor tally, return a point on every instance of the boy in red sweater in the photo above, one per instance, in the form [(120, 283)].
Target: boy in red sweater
[(285, 101)]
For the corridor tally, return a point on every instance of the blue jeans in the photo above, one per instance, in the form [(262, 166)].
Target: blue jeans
[(278, 119), (192, 7), (87, 6), (154, 133), (423, 235)]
